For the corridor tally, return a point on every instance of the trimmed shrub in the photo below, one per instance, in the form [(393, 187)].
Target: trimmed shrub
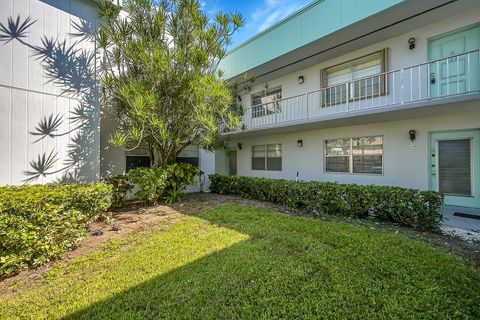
[(410, 207), (151, 183), (163, 184), (120, 187), (179, 176), (39, 222)]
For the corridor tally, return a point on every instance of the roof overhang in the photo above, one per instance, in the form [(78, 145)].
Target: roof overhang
[(393, 21)]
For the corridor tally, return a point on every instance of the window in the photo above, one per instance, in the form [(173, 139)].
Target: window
[(354, 155), (189, 155), (133, 162), (266, 102), (267, 157), (136, 156), (357, 79)]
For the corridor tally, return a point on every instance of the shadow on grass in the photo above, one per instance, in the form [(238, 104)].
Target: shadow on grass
[(298, 268)]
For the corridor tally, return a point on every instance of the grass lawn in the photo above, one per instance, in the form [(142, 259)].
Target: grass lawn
[(237, 261)]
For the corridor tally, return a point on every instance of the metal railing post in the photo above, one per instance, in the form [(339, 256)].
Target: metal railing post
[(402, 87), (347, 96), (306, 105)]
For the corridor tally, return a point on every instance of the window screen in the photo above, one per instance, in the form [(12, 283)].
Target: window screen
[(354, 155)]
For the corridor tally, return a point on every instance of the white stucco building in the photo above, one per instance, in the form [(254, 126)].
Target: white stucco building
[(52, 126), (368, 92)]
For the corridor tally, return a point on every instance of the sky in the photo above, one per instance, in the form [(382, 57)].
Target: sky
[(258, 14)]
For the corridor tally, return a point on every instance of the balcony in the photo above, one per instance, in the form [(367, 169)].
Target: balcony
[(423, 84)]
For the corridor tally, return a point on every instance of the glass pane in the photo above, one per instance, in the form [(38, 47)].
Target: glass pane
[(337, 77), (337, 164), (274, 164), (336, 95), (258, 151), (258, 163), (274, 150), (258, 157), (266, 102), (274, 157), (455, 167), (267, 96), (368, 68), (367, 164), (337, 147), (367, 87), (367, 146)]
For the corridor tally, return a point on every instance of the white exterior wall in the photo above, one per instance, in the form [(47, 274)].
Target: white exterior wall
[(399, 56), (405, 163), (49, 110)]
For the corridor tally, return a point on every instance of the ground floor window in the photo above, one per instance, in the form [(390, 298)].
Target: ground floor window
[(136, 156), (354, 155), (267, 157), (189, 155), (139, 156)]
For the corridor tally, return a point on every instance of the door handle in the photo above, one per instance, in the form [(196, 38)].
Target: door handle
[(432, 78)]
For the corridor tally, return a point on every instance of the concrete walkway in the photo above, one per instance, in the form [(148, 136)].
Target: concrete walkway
[(453, 221), (465, 228)]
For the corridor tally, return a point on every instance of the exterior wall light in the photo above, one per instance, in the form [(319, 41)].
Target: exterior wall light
[(301, 79), (239, 146), (411, 43), (413, 135), (299, 143), (239, 99)]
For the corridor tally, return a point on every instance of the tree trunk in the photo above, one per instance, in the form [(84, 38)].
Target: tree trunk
[(164, 157)]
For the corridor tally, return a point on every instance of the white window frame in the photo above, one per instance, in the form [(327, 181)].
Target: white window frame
[(352, 83), (350, 156), (266, 156), (263, 108)]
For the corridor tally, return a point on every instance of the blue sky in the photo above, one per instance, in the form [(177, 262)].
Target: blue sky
[(258, 14)]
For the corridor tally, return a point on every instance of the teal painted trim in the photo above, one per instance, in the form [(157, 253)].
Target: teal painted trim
[(450, 33), (474, 134), (315, 21), (275, 25)]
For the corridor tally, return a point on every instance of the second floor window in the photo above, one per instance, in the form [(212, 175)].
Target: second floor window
[(357, 79), (266, 102)]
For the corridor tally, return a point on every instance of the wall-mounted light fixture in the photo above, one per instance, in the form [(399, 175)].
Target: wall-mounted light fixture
[(411, 43), (301, 79), (239, 99), (413, 135), (299, 143), (239, 146)]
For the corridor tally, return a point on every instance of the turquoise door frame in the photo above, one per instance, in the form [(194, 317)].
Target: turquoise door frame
[(460, 73), (435, 138)]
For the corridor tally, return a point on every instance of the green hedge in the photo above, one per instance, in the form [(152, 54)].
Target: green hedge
[(413, 208), (39, 222)]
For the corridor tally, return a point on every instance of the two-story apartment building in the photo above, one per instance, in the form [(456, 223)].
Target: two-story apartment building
[(382, 92)]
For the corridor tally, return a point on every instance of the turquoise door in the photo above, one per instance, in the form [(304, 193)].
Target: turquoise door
[(454, 67), (455, 166)]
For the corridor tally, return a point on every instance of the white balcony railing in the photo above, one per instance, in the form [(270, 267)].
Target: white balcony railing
[(455, 75)]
